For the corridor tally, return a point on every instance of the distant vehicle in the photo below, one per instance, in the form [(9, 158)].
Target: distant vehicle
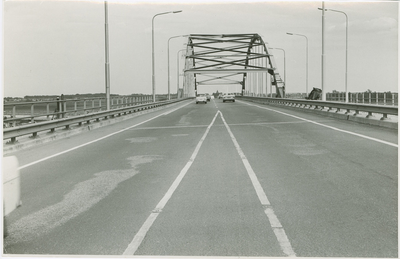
[(315, 94), (220, 96), (201, 98), (228, 97), (208, 97)]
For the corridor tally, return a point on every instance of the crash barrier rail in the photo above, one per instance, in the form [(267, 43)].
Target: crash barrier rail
[(365, 98), (356, 108), (20, 113), (13, 132)]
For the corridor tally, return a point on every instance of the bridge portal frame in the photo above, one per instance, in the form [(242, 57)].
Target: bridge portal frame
[(226, 59)]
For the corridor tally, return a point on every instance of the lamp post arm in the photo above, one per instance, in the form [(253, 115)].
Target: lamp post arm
[(152, 52)]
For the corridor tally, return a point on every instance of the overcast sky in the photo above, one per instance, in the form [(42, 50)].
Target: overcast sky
[(57, 47)]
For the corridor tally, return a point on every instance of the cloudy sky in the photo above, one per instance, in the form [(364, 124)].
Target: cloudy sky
[(57, 47)]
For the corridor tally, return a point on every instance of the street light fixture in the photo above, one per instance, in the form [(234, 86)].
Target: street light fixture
[(289, 33), (347, 30), (152, 51), (169, 95), (107, 63)]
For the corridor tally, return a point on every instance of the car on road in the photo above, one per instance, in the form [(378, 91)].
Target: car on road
[(201, 98), (228, 97), (208, 97)]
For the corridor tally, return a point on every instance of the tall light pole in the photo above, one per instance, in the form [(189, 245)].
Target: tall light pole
[(169, 95), (152, 52), (107, 64), (323, 59), (284, 64), (289, 33), (177, 68), (347, 34)]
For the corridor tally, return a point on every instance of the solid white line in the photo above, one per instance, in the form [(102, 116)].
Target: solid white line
[(137, 240), (93, 141), (329, 127), (273, 219)]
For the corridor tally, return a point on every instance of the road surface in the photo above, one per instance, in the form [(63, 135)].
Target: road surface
[(216, 179)]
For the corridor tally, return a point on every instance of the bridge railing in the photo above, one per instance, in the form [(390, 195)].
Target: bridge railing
[(12, 133), (349, 108), (20, 113)]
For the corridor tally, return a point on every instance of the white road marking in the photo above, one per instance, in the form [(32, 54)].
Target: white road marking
[(273, 219), (173, 127), (326, 126), (141, 139), (93, 141), (168, 112), (140, 235)]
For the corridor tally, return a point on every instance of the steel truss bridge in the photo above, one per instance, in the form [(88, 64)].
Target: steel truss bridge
[(231, 59)]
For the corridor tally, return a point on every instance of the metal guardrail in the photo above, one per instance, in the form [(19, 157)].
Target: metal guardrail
[(384, 110), (18, 131), (18, 113)]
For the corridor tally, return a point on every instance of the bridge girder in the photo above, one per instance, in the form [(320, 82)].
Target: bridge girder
[(232, 55)]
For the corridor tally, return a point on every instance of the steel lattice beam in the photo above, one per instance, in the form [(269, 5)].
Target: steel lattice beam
[(232, 54)]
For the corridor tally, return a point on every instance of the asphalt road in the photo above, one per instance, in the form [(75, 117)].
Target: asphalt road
[(216, 179)]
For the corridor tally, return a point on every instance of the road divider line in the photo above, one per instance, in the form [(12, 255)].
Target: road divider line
[(268, 210), (140, 235), (93, 141), (327, 126)]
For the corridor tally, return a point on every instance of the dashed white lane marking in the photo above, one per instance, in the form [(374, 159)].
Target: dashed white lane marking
[(96, 140), (273, 219), (140, 235), (327, 126)]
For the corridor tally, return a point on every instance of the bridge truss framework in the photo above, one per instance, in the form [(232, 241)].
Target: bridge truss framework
[(231, 59)]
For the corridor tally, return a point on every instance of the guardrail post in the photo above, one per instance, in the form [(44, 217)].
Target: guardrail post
[(63, 106), (14, 123), (64, 115), (32, 113), (48, 111), (384, 117)]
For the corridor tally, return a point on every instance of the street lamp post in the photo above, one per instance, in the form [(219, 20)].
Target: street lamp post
[(169, 95), (289, 33), (284, 64), (107, 64), (347, 34), (152, 52), (177, 68)]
